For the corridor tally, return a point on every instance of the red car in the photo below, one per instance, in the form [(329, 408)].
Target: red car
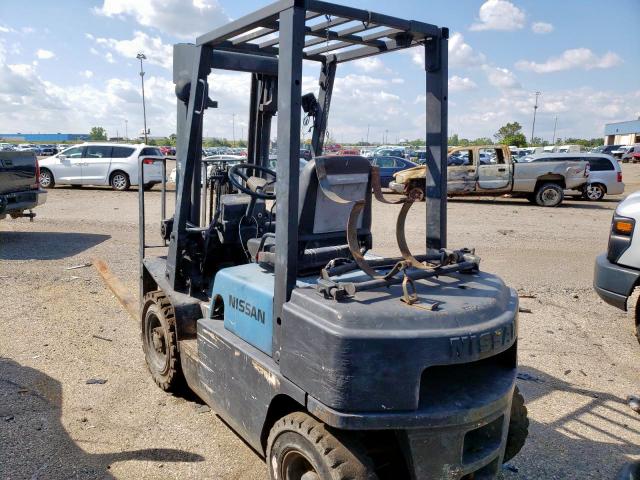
[(166, 151)]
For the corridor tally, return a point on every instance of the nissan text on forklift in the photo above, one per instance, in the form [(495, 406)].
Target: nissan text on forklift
[(329, 361)]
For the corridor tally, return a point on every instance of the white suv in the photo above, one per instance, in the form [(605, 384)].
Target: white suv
[(102, 164), (617, 272)]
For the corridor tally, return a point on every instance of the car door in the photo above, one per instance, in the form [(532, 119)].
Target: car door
[(68, 168), (461, 171), (387, 169), (494, 172), (96, 164)]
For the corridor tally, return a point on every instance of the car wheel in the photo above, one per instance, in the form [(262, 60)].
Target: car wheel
[(593, 192), (549, 195), (415, 193), (302, 448), (46, 179), (120, 181)]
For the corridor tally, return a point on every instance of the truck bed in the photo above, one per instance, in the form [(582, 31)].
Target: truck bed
[(19, 188)]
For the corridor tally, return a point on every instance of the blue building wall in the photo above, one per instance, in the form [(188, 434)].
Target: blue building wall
[(622, 128), (45, 137)]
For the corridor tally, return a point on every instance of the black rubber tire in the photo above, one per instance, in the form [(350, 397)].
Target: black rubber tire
[(549, 195), (299, 445), (518, 426), (76, 185), (416, 193), (148, 187), (51, 181), (633, 303), (596, 193), (119, 181), (158, 324)]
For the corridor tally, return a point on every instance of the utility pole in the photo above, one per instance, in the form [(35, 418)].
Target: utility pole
[(386, 136), (535, 109), (368, 128), (126, 129), (233, 120), (141, 57), (553, 142)]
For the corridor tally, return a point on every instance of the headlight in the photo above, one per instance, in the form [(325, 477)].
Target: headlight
[(620, 238)]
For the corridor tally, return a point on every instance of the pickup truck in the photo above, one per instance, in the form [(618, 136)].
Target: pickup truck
[(490, 170), (19, 184)]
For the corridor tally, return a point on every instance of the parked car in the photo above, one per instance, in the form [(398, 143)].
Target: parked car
[(349, 151), (48, 151), (489, 170), (389, 166), (605, 174), (617, 272), (102, 164), (628, 155), (608, 149), (19, 187)]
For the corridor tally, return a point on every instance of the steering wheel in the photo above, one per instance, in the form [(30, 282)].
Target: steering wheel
[(255, 187)]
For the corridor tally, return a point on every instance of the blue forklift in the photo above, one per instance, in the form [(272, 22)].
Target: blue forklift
[(267, 300)]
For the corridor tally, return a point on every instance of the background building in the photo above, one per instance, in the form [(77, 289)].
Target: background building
[(44, 137), (622, 133)]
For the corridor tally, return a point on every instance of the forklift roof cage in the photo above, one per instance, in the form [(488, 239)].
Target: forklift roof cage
[(272, 43)]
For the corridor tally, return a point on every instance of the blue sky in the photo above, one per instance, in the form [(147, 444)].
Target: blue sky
[(68, 68)]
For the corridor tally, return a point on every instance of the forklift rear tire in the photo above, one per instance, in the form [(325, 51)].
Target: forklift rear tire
[(302, 448), (518, 426), (159, 342)]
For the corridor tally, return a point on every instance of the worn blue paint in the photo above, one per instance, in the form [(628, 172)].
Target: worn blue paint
[(622, 128), (247, 293)]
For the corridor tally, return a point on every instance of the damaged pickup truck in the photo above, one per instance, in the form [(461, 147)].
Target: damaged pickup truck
[(489, 170), (20, 190)]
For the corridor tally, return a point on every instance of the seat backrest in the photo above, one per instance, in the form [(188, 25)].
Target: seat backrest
[(322, 221)]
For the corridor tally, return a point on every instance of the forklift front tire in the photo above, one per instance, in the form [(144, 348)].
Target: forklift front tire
[(159, 342), (302, 448)]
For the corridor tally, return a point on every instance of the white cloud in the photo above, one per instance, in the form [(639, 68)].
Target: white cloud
[(370, 64), (582, 58), (499, 15), (109, 57), (5, 29), (183, 18), (501, 77), (87, 74), (157, 52), (44, 54), (461, 54), (541, 27), (458, 84), (27, 30)]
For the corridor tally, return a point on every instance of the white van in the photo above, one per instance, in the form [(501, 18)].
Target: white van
[(569, 148), (617, 272), (112, 164)]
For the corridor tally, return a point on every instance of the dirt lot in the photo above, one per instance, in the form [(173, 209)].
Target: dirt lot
[(62, 328)]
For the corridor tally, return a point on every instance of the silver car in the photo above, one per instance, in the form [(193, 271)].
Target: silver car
[(605, 176)]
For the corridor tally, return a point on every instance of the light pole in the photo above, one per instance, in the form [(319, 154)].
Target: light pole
[(141, 57), (126, 129), (233, 126), (553, 142), (535, 109)]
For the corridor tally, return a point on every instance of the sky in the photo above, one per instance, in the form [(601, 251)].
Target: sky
[(68, 66)]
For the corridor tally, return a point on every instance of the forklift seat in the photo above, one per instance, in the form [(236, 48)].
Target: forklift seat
[(322, 220)]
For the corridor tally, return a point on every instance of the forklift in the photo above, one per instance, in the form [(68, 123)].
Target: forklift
[(330, 361)]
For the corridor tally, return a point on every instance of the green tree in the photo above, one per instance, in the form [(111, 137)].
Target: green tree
[(511, 134), (454, 140), (98, 133)]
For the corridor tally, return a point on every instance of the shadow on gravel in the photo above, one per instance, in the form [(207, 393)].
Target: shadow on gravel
[(585, 433), (36, 445), (521, 202), (46, 245)]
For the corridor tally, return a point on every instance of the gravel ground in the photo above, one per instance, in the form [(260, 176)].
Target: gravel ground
[(63, 328)]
